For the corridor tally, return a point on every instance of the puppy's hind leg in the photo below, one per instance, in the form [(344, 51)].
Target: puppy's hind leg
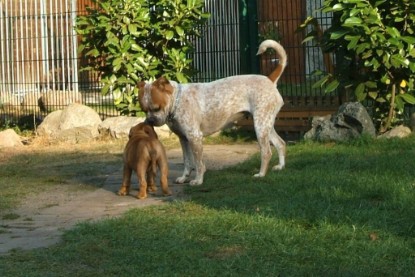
[(164, 172), (279, 144), (126, 181), (151, 177), (142, 180)]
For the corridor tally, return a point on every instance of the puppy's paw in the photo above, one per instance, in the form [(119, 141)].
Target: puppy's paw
[(152, 189), (123, 191), (167, 193), (141, 195)]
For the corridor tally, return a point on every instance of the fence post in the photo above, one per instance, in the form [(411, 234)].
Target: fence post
[(248, 36)]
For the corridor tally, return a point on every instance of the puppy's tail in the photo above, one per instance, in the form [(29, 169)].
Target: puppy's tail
[(282, 56)]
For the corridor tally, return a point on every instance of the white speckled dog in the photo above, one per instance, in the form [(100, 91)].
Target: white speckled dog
[(195, 110)]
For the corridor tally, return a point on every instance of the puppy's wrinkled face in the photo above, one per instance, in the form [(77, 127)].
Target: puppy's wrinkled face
[(142, 130), (155, 100)]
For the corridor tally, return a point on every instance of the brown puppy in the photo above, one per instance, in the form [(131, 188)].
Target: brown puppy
[(143, 154)]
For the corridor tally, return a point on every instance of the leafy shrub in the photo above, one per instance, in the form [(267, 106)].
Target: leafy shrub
[(127, 41), (374, 44)]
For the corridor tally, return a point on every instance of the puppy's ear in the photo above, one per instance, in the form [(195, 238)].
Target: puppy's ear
[(163, 84), (149, 130)]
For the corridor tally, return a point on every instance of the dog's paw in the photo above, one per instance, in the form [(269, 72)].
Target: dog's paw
[(182, 180), (278, 167), (195, 182), (258, 175)]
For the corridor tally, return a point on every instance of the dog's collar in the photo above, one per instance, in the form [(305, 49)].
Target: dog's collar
[(178, 92)]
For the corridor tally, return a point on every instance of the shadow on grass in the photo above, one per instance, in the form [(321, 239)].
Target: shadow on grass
[(336, 210), (31, 172)]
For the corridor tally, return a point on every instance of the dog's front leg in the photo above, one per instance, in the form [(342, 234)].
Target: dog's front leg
[(187, 160), (197, 151)]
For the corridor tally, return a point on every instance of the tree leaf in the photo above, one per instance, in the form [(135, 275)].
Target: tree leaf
[(408, 98), (360, 92), (352, 22), (169, 34), (332, 86)]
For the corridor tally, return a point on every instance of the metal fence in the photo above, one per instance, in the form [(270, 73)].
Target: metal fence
[(39, 66)]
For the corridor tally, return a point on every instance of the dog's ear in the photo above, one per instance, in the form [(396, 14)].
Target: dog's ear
[(163, 84), (141, 85)]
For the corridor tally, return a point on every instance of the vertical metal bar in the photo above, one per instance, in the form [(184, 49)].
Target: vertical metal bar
[(8, 58), (2, 54), (38, 47), (74, 47), (51, 37), (44, 43), (63, 42)]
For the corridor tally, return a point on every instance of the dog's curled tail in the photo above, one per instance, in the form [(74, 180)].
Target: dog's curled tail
[(282, 56)]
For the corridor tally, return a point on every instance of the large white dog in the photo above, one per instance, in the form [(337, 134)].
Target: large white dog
[(195, 110)]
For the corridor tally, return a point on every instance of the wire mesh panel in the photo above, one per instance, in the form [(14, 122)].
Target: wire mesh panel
[(39, 63), (280, 20), (217, 53), (38, 54)]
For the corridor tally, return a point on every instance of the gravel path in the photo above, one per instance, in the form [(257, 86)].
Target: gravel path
[(41, 219)]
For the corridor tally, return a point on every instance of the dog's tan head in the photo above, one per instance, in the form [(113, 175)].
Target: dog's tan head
[(142, 130), (155, 100)]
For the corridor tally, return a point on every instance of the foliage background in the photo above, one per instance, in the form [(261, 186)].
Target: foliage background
[(132, 40), (374, 45)]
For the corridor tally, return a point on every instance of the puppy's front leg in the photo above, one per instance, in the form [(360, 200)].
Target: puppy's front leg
[(187, 160)]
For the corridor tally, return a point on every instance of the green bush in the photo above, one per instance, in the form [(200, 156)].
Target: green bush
[(127, 41), (374, 44)]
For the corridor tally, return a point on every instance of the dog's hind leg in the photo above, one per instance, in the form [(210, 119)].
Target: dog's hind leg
[(263, 141), (279, 144)]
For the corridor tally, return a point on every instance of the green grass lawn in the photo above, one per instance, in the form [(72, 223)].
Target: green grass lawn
[(336, 210)]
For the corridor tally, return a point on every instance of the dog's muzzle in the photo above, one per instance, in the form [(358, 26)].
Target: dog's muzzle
[(155, 120), (149, 121)]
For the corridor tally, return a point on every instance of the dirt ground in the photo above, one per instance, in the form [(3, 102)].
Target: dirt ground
[(43, 218)]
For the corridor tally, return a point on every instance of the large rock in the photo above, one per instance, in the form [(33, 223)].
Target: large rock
[(9, 138), (73, 124), (350, 121), (119, 127), (397, 132)]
